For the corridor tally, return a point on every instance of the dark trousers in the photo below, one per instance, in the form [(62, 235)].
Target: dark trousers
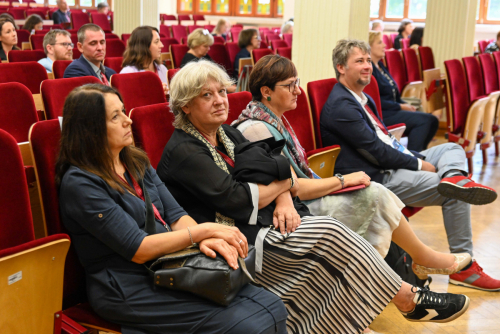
[(420, 127)]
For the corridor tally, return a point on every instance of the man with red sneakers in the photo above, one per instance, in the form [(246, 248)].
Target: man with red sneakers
[(429, 178)]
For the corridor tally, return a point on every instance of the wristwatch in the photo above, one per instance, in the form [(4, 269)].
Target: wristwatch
[(341, 179)]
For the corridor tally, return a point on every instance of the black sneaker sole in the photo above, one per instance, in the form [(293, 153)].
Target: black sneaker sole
[(452, 281), (451, 318), (473, 195)]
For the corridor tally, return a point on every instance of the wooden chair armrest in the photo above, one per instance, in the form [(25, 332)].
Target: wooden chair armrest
[(322, 161), (474, 123)]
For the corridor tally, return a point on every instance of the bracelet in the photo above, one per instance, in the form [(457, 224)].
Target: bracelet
[(190, 237), (292, 182)]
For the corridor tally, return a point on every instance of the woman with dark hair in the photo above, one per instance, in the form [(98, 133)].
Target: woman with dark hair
[(8, 37), (248, 40), (102, 180), (404, 31), (32, 23), (330, 278), (417, 37), (143, 54)]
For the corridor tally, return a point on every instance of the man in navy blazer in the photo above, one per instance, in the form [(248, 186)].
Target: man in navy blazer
[(92, 45), (62, 15), (434, 177)]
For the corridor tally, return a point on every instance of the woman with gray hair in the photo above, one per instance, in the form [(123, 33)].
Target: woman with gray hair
[(199, 42), (330, 279), (287, 27)]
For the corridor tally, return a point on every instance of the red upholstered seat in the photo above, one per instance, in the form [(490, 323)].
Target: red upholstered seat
[(387, 41), (18, 111), (101, 20), (17, 13), (179, 32), (181, 18), (426, 58), (220, 55), (235, 33), (285, 52), (177, 52), (263, 45), (318, 92), (58, 68), (40, 12), (259, 53), (165, 30), (198, 18), (114, 63), (412, 65), (405, 43), (152, 128), (237, 103), (78, 19), (22, 36), (110, 35), (125, 38), (139, 89), (171, 73), (496, 57), (482, 45), (209, 27), (114, 48), (278, 43), (301, 121), (272, 37), (489, 70), (167, 17), (17, 56), (219, 40), (288, 39), (54, 93), (232, 49), (36, 42), (372, 90), (396, 67), (31, 74), (193, 27), (166, 43), (474, 78), (393, 38), (44, 141)]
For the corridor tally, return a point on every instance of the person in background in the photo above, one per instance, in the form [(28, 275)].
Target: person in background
[(248, 40), (63, 14), (199, 42), (493, 46), (143, 54), (221, 28), (404, 31), (32, 23), (377, 25), (417, 37), (10, 18), (8, 38), (287, 28), (103, 8), (57, 46)]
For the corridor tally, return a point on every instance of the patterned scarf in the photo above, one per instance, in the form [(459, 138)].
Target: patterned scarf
[(258, 111), (219, 161)]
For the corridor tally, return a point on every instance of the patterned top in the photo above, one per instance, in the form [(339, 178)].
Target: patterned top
[(492, 47)]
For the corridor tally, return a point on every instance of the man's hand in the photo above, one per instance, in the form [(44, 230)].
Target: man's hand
[(428, 167), (355, 179), (408, 107)]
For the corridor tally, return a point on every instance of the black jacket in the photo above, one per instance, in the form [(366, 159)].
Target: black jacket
[(390, 100)]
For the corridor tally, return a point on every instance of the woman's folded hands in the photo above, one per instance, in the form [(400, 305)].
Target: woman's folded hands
[(285, 216)]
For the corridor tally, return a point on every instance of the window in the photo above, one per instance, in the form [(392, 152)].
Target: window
[(417, 9), (77, 3), (262, 8), (493, 11), (374, 8), (396, 10)]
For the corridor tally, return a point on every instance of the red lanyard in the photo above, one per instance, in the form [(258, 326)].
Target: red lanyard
[(229, 161), (380, 125), (140, 193)]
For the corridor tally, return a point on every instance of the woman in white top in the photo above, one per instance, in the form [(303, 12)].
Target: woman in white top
[(143, 54)]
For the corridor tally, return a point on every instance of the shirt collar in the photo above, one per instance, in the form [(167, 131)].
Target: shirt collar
[(361, 100), (97, 70)]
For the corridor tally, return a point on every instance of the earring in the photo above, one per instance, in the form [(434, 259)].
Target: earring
[(269, 98)]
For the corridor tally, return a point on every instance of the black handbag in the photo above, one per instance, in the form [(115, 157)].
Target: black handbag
[(192, 271)]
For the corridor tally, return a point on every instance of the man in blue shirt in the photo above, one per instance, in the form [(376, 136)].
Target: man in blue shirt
[(57, 46)]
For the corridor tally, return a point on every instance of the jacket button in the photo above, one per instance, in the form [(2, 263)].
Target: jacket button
[(100, 215)]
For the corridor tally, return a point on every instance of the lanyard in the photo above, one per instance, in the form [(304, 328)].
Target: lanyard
[(228, 160), (380, 125)]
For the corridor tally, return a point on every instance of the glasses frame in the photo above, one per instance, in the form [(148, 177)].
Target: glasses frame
[(66, 46), (295, 83)]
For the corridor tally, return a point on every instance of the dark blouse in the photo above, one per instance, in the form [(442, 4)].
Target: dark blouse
[(188, 57), (397, 42), (389, 93), (3, 56), (242, 54)]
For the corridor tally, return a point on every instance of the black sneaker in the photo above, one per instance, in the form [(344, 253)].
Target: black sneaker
[(436, 307)]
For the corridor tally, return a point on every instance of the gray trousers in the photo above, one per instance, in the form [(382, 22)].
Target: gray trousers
[(419, 188)]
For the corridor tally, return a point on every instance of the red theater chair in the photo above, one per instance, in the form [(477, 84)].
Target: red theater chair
[(237, 103), (396, 67), (171, 73), (31, 74), (181, 18), (40, 12), (58, 68), (412, 65), (179, 32), (278, 43), (22, 36), (219, 40), (125, 38), (235, 33), (198, 18), (285, 52), (177, 52), (219, 54), (17, 13), (110, 35), (101, 20), (193, 28), (232, 50), (387, 41), (288, 39), (259, 53), (426, 58), (18, 56), (405, 43), (482, 45), (165, 30), (272, 37), (209, 27), (115, 48), (491, 86), (115, 63), (78, 19), (36, 42)]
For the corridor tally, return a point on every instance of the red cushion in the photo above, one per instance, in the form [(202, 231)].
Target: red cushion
[(179, 31), (177, 52), (166, 43), (36, 42), (164, 29), (232, 49), (198, 17), (58, 68), (152, 128), (17, 56), (301, 121), (372, 90), (318, 92), (110, 35), (288, 39), (22, 36), (489, 70), (30, 244), (237, 103), (496, 57), (235, 33), (396, 67), (101, 20), (278, 44), (482, 45), (458, 101), (114, 48), (259, 53), (139, 89), (426, 58), (171, 73), (219, 40), (183, 18), (474, 77), (387, 41), (78, 19), (285, 52), (412, 66), (125, 37), (16, 225), (193, 27), (219, 54), (31, 74), (114, 63)]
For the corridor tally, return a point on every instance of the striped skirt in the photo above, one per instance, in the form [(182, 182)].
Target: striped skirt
[(330, 278)]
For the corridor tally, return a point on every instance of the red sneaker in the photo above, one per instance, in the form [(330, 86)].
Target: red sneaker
[(466, 190), (475, 278)]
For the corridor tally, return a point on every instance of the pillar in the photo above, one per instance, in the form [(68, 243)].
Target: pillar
[(130, 14)]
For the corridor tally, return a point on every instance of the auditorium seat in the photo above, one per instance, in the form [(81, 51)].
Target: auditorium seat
[(32, 270), (18, 56), (235, 33), (272, 37), (36, 42), (31, 74), (412, 65), (396, 68), (181, 18), (219, 40), (179, 31), (198, 18), (110, 35), (285, 52), (23, 36), (101, 20), (17, 13), (426, 58), (209, 27), (138, 89), (482, 45), (491, 86), (219, 55), (318, 92), (237, 103), (58, 68), (171, 73), (387, 41), (193, 28), (405, 43), (54, 93), (232, 49), (152, 128), (278, 43), (259, 53), (44, 142), (125, 38), (115, 63), (37, 11), (464, 117), (78, 19), (115, 48), (177, 52), (288, 39)]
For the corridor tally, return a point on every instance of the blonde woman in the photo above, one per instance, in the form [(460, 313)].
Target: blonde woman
[(199, 42), (221, 28)]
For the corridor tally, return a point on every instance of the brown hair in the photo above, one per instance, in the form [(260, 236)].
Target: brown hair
[(137, 52), (32, 21), (84, 140), (2, 22), (245, 37), (50, 37), (268, 71)]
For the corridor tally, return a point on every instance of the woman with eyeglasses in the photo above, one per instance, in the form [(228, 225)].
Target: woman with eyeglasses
[(248, 40)]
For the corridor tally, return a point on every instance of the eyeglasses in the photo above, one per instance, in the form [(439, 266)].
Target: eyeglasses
[(66, 45), (258, 38), (291, 86)]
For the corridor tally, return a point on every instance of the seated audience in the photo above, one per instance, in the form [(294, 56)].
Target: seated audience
[(62, 14), (420, 127), (404, 31), (103, 8), (143, 54), (373, 212), (57, 46), (248, 40), (287, 27), (221, 28), (199, 42), (377, 25), (493, 46), (8, 38), (434, 177), (417, 38), (32, 23), (300, 255), (101, 178), (92, 45)]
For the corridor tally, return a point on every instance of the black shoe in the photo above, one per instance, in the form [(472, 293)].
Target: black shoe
[(436, 307)]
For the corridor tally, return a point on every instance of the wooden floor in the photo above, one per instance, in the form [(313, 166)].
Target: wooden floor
[(483, 315)]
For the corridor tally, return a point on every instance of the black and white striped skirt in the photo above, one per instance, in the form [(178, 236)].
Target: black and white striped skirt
[(330, 279)]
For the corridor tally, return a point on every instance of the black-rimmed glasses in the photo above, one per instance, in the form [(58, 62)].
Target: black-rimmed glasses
[(66, 45), (292, 85)]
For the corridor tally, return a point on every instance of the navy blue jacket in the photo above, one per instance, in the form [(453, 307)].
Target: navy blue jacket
[(81, 68), (344, 122), (58, 17), (242, 54), (390, 106)]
